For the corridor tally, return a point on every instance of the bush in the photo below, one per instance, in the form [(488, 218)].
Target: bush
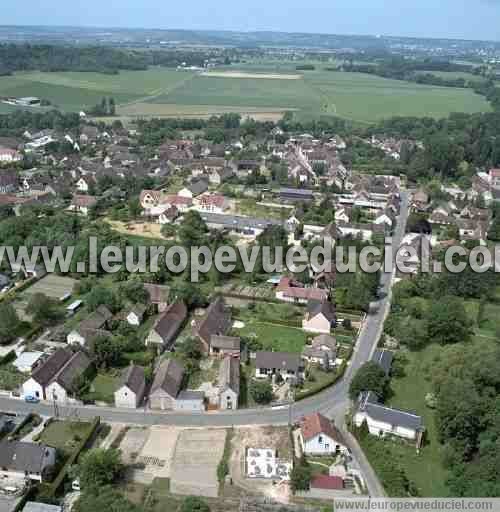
[(261, 391)]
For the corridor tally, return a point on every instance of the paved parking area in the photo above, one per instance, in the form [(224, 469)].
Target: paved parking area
[(194, 466)]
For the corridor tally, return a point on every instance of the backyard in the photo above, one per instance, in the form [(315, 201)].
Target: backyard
[(426, 469), (65, 435)]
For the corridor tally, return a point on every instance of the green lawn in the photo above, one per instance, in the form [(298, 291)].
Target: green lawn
[(65, 435), (275, 337), (426, 469), (105, 385)]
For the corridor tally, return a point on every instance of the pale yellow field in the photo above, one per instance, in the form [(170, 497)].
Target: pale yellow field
[(198, 111), (240, 74)]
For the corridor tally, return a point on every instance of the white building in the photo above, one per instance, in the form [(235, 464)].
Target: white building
[(384, 421), (319, 436), (131, 391)]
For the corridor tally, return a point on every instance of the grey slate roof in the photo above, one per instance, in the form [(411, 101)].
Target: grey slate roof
[(326, 308), (169, 323), (216, 321), (384, 359), (168, 378), (134, 378), (190, 396), (229, 374), (198, 187), (47, 370), (369, 403), (238, 222), (21, 457), (74, 368), (225, 342), (284, 360)]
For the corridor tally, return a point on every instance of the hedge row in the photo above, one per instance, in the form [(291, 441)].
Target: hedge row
[(56, 484), (11, 294), (338, 375)]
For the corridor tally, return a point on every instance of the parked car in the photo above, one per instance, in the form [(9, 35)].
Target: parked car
[(75, 485), (31, 399)]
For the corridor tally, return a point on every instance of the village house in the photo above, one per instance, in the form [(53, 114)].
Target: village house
[(190, 401), (229, 383), (22, 460), (296, 195), (216, 321), (419, 202), (289, 290), (166, 385), (242, 226), (93, 326), (323, 350), (8, 182), (319, 317), (319, 436), (212, 203), (166, 328), (132, 388), (136, 314), (54, 378), (86, 183), (158, 296), (193, 190), (62, 386), (169, 215), (9, 156), (288, 366), (384, 421), (220, 175), (82, 204), (222, 346)]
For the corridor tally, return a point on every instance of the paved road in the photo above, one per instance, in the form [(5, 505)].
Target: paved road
[(333, 402)]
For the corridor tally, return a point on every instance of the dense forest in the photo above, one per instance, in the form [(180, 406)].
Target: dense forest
[(99, 59)]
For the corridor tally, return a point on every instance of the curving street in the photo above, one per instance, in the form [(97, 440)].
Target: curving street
[(333, 402)]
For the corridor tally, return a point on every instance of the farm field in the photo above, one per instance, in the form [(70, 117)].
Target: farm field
[(260, 90)]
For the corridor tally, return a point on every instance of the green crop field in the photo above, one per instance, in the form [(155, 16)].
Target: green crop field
[(255, 89)]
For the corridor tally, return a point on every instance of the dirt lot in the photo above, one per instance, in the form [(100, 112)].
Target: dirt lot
[(158, 451), (259, 437), (194, 466), (133, 443), (145, 229)]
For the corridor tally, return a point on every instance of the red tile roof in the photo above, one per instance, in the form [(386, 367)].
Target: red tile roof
[(315, 424)]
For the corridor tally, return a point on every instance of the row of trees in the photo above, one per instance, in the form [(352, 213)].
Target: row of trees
[(98, 470)]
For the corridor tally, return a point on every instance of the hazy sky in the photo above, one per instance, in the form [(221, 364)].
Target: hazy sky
[(473, 19)]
